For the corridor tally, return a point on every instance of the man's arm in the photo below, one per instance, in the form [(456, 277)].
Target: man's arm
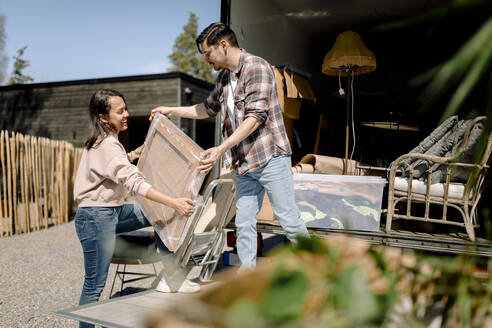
[(249, 125), (212, 155), (197, 111)]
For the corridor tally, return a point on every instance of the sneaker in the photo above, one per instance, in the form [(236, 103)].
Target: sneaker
[(163, 287), (187, 287)]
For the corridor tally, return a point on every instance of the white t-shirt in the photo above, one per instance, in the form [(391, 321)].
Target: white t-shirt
[(230, 102)]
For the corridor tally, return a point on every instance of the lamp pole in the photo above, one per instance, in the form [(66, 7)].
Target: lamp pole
[(347, 127)]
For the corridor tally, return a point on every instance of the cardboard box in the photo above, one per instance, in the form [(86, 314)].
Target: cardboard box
[(292, 88), (169, 162), (266, 212), (289, 128), (336, 201)]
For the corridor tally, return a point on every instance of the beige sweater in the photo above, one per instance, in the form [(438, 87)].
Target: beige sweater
[(105, 176)]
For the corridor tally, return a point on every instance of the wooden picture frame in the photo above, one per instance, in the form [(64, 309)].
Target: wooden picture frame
[(169, 162)]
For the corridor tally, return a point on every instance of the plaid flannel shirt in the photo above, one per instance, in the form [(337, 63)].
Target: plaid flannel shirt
[(255, 95)]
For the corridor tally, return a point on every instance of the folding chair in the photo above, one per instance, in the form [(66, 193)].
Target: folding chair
[(133, 248), (205, 238)]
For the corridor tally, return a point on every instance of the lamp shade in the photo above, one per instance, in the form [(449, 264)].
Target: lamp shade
[(349, 55)]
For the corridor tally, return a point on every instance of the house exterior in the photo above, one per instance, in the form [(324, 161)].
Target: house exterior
[(59, 110)]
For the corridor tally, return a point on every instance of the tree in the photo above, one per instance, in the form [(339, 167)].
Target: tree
[(185, 56), (17, 76), (3, 58)]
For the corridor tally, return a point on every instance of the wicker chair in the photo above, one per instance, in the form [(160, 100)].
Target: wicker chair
[(408, 192)]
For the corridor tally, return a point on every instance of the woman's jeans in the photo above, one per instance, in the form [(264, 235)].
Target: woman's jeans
[(97, 228), (276, 179)]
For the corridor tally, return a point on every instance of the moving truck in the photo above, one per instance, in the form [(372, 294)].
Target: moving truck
[(294, 37)]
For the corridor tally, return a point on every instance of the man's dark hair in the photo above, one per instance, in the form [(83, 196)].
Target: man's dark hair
[(214, 33)]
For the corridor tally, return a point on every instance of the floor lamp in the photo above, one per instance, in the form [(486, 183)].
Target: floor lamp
[(348, 57)]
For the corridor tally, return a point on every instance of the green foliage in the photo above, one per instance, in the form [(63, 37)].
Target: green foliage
[(244, 313), (313, 245), (463, 71), (350, 275), (285, 298), (314, 284), (20, 64), (185, 56), (348, 284), (352, 296), (469, 67)]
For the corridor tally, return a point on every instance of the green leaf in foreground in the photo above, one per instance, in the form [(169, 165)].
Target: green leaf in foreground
[(286, 295)]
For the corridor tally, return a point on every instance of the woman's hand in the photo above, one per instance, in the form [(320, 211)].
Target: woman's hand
[(164, 110), (138, 151), (134, 154), (184, 206)]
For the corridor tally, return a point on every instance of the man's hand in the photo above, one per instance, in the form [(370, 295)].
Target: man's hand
[(184, 206), (164, 110), (208, 159)]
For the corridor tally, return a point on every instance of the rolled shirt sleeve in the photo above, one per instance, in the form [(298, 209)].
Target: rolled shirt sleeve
[(258, 90)]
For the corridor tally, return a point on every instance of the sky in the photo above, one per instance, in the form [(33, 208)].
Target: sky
[(84, 39)]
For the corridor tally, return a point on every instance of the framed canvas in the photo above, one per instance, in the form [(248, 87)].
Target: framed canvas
[(169, 162)]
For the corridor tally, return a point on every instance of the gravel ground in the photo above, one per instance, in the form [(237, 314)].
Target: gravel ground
[(42, 272)]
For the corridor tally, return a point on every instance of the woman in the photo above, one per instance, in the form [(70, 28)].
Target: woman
[(104, 177)]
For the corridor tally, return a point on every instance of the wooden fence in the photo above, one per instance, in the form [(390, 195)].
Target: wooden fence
[(37, 176)]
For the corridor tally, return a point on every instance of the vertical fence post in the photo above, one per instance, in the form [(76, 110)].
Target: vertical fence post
[(4, 187), (37, 179)]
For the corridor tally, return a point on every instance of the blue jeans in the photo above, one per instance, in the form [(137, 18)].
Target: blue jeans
[(276, 179), (97, 228)]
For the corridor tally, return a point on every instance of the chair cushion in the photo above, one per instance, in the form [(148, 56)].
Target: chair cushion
[(444, 146), (135, 247), (430, 140), (436, 135), (456, 190), (460, 173)]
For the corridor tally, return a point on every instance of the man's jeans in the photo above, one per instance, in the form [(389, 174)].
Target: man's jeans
[(276, 179), (97, 228)]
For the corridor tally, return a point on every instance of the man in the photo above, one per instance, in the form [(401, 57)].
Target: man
[(254, 136)]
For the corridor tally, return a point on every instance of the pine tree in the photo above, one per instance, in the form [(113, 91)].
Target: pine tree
[(17, 77), (185, 56)]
